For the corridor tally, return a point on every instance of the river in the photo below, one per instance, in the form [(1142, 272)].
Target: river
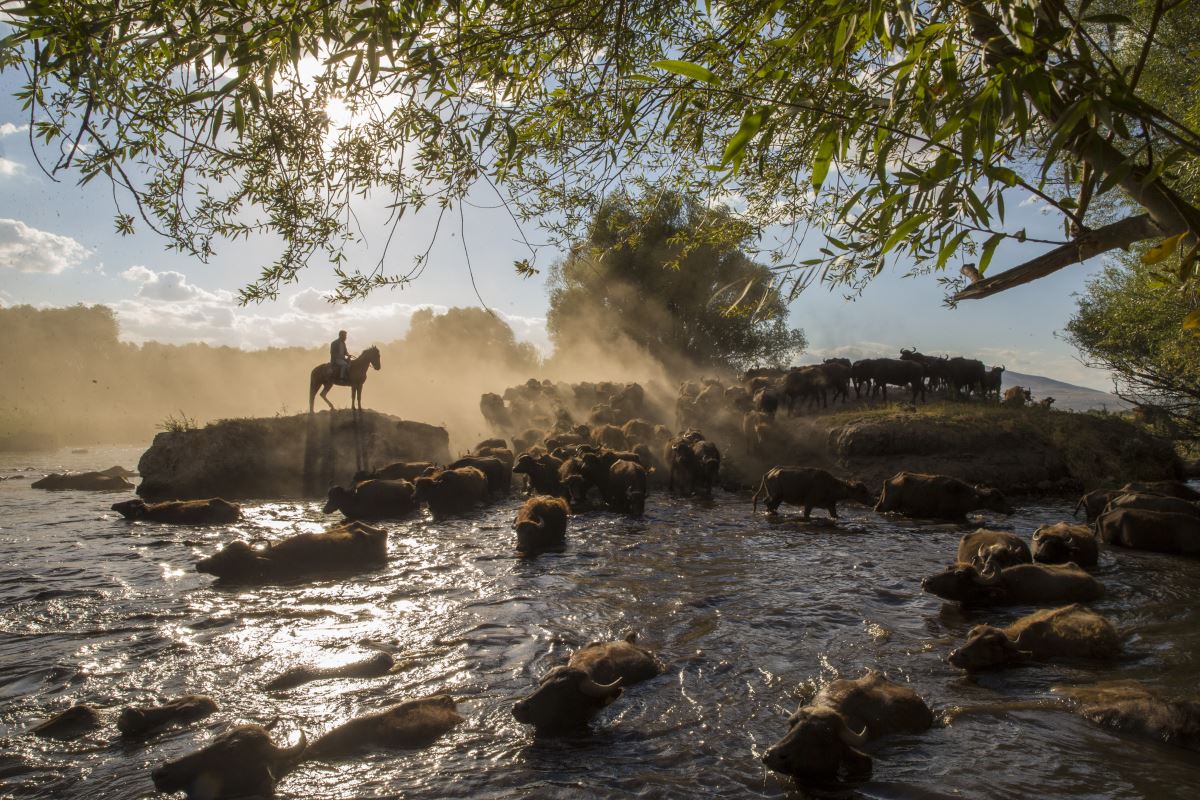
[(746, 611)]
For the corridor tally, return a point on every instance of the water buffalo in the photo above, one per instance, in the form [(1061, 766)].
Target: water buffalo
[(1167, 488), (1095, 502), (497, 472), (568, 696), (373, 499), (68, 723), (756, 427), (610, 436), (242, 762), (937, 497), (406, 726), (503, 454), (527, 439), (880, 373), (452, 491), (992, 381), (809, 487), (837, 377), (1130, 707), (1159, 531), (638, 431), (694, 463), (488, 444), (399, 471), (765, 401), (826, 735), (213, 511), (1068, 632), (542, 472), (141, 720), (1154, 502), (378, 664), (353, 546), (621, 480), (936, 369), (805, 383), (1063, 542), (965, 373), (1017, 585), (1001, 548), (83, 481), (541, 523)]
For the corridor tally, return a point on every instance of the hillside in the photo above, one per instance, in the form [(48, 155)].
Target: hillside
[(1066, 396)]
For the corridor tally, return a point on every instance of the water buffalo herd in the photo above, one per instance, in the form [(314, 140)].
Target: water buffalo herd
[(613, 462)]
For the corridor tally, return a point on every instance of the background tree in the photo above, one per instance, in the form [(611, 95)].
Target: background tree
[(464, 338), (894, 127), (671, 276)]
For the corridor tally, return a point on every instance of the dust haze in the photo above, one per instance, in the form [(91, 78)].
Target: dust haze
[(73, 382)]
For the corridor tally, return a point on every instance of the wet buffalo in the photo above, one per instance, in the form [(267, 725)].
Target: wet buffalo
[(213, 511), (1159, 531), (541, 523), (1095, 502), (1155, 502), (542, 472), (406, 726), (1016, 585), (498, 472), (378, 664), (826, 734), (351, 547), (83, 481), (69, 723), (1129, 707), (1051, 634), (242, 762), (399, 471), (1001, 548), (373, 499), (937, 497), (622, 480), (1167, 488), (568, 696), (809, 487), (1063, 542), (142, 720), (694, 464), (452, 491)]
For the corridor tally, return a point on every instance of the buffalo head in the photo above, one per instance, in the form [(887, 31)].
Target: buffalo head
[(819, 747), (131, 509), (993, 500), (566, 698), (966, 584), (236, 561), (986, 647), (339, 498)]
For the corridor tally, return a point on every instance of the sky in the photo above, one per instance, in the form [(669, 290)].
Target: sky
[(59, 246)]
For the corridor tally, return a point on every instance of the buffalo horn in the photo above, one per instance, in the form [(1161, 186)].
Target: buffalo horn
[(989, 575), (600, 690), (293, 753), (850, 737)]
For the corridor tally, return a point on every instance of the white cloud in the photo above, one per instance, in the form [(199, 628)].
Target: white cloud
[(8, 168), (311, 301), (27, 249), (169, 286), (8, 129)]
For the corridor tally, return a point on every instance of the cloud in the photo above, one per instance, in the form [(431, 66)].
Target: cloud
[(169, 286), (27, 249), (311, 301), (8, 129), (8, 168)]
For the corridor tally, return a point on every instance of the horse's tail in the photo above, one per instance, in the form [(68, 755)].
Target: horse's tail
[(314, 383)]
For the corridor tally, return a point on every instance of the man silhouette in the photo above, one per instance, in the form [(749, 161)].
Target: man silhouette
[(339, 356)]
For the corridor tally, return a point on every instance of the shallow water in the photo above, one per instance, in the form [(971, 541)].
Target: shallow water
[(746, 611)]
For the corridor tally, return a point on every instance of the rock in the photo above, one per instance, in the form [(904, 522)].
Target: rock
[(296, 456)]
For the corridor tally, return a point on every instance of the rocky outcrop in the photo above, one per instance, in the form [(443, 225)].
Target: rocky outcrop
[(296, 456)]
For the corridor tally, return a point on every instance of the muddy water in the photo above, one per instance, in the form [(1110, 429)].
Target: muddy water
[(746, 611)]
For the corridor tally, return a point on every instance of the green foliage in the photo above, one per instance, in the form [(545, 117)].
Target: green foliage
[(459, 337), (852, 117), (671, 276), (1131, 323)]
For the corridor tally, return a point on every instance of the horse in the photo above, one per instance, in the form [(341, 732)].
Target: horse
[(327, 375)]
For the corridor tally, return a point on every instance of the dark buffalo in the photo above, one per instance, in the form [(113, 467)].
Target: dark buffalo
[(497, 471), (826, 735), (542, 472), (1001, 548), (1017, 585), (354, 546), (1095, 502), (69, 723), (407, 726), (1167, 488), (766, 401), (992, 381), (541, 523), (1158, 531), (937, 497), (141, 720), (879, 373), (1048, 635), (213, 511), (83, 481), (452, 491), (621, 480), (1129, 707), (966, 373), (1155, 502), (568, 696), (809, 487), (242, 762), (399, 471), (373, 499), (378, 664), (1063, 542)]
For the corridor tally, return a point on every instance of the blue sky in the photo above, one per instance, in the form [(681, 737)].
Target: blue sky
[(58, 247)]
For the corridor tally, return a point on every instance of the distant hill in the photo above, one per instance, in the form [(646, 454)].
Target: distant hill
[(1066, 395)]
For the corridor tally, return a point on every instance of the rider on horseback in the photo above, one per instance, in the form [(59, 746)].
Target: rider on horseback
[(339, 356)]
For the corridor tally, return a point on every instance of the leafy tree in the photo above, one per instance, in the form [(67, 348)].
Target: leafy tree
[(461, 336), (671, 276), (1131, 323), (896, 127)]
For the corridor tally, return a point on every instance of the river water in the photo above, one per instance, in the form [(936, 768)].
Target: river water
[(746, 611)]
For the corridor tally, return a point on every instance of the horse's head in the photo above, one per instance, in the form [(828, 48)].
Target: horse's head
[(371, 355)]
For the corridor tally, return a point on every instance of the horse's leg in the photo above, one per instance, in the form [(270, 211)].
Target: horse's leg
[(325, 392)]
